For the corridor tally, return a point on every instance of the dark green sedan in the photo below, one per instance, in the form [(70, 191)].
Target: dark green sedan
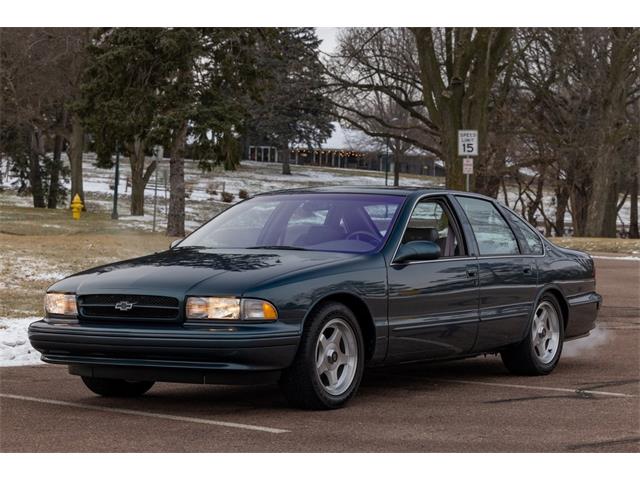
[(308, 287)]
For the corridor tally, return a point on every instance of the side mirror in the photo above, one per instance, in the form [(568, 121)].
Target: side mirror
[(175, 242), (418, 250)]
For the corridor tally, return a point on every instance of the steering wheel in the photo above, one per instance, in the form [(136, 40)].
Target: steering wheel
[(365, 233)]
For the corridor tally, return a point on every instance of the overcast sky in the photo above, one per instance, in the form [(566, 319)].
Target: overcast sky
[(328, 36)]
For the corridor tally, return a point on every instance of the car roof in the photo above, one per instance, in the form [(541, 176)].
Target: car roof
[(375, 190)]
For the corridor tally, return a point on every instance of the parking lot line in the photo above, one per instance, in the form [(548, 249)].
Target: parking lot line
[(141, 413), (533, 387)]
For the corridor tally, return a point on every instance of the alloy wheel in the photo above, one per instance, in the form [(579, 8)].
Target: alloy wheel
[(336, 356), (545, 332)]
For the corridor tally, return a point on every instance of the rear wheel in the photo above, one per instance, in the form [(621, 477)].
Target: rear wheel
[(539, 352), (329, 364), (112, 387)]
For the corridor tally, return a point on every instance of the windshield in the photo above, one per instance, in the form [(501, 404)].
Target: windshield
[(352, 223)]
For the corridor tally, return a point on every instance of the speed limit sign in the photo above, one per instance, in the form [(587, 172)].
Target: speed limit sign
[(468, 143)]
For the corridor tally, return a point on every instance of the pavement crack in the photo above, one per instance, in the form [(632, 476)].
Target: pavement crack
[(604, 443), (594, 386), (578, 395)]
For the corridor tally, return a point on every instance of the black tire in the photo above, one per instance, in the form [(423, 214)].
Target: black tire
[(522, 358), (301, 383), (112, 387)]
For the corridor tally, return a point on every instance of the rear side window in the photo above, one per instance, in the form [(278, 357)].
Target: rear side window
[(531, 238), (493, 234)]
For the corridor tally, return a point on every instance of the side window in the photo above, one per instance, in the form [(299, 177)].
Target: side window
[(493, 234), (430, 221), (533, 241)]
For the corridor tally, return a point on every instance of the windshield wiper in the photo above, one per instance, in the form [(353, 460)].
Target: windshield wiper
[(276, 247)]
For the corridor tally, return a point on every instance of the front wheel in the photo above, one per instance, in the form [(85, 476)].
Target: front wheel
[(539, 352), (330, 360), (113, 387)]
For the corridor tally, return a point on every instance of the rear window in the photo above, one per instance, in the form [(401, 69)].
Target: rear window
[(532, 240)]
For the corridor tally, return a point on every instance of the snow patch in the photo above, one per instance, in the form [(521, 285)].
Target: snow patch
[(33, 269), (15, 349)]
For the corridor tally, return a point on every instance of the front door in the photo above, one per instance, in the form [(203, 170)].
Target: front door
[(433, 305)]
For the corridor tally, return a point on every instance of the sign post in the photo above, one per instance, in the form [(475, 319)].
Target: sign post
[(467, 168), (114, 212), (467, 148), (159, 154)]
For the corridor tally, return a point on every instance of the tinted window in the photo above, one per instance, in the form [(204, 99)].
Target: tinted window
[(381, 214), (493, 234), (531, 238), (309, 213), (429, 221), (310, 221)]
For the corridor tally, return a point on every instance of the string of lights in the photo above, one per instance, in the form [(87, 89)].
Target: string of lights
[(340, 153)]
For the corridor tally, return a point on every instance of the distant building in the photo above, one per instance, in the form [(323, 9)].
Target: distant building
[(350, 149)]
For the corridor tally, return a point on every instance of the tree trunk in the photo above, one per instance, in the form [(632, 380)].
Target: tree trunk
[(175, 222), (633, 221), (452, 162), (396, 169), (635, 178), (35, 172), (603, 199), (230, 151), (139, 177), (562, 198), (489, 173), (56, 165), (579, 210), (76, 147), (286, 155)]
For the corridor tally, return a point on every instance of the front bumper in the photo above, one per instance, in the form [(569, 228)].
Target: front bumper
[(178, 351)]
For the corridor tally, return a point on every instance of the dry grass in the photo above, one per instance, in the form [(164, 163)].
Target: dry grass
[(38, 247)]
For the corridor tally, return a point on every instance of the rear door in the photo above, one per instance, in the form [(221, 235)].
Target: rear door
[(433, 304), (507, 275)]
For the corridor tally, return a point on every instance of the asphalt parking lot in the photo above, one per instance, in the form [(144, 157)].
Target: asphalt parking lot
[(590, 403)]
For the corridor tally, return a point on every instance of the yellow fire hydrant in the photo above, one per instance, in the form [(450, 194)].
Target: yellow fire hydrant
[(76, 207)]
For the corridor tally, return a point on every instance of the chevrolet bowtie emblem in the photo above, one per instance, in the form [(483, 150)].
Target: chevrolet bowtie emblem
[(124, 306)]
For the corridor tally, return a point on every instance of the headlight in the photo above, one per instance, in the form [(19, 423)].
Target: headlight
[(213, 308), (225, 308), (60, 304)]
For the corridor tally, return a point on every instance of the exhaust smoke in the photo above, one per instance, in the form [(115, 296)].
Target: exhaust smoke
[(599, 336)]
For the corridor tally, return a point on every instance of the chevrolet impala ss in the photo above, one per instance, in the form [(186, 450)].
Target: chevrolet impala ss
[(307, 287)]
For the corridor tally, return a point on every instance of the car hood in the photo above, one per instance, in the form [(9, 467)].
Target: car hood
[(195, 271)]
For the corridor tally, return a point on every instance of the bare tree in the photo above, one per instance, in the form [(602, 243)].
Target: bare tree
[(458, 68), (571, 89), (40, 71), (375, 88)]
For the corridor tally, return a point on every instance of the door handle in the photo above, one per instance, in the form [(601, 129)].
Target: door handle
[(527, 269), (471, 272)]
